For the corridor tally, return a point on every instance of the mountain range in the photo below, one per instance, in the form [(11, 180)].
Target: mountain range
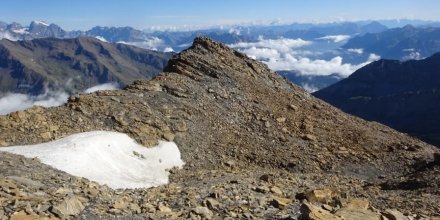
[(31, 66), (404, 43), (402, 95)]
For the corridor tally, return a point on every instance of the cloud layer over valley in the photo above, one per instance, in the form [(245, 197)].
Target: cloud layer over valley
[(295, 55)]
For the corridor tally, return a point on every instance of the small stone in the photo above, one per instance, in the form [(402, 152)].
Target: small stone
[(212, 203), (203, 212), (280, 203), (168, 136), (267, 124), (135, 208), (64, 191), (276, 190), (262, 189), (22, 215), (309, 211), (358, 204), (54, 128), (120, 204), (328, 207), (154, 87), (267, 178), (309, 137), (230, 163), (46, 135), (293, 107), (3, 143), (357, 214), (70, 206), (163, 208), (181, 126), (393, 214), (281, 120), (319, 195)]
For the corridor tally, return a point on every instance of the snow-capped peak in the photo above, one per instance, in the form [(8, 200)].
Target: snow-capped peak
[(41, 23)]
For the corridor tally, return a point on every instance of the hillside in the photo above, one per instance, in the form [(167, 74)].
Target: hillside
[(73, 64), (402, 95), (254, 146)]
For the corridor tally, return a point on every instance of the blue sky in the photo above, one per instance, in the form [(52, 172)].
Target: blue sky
[(83, 14)]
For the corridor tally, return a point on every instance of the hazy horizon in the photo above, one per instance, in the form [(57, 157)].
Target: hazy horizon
[(193, 14)]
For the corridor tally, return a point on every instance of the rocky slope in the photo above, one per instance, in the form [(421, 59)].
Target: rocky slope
[(73, 64), (255, 147), (402, 95)]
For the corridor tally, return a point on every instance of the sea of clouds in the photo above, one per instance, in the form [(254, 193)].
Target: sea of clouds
[(291, 54)]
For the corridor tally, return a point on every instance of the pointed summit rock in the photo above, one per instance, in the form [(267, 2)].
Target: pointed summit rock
[(235, 121)]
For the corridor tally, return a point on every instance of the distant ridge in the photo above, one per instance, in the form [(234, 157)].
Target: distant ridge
[(73, 64), (402, 95)]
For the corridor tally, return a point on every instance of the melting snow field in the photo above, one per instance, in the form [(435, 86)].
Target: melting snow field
[(110, 158)]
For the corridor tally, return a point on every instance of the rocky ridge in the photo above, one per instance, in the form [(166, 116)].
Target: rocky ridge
[(255, 146)]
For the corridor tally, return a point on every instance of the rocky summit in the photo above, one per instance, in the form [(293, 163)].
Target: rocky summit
[(255, 147)]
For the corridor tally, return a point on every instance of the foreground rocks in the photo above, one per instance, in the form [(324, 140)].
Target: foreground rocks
[(255, 147)]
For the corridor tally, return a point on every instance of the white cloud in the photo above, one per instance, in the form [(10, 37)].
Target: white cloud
[(235, 31), (168, 49), (284, 54), (105, 86), (309, 88), (110, 158), (282, 45), (335, 38), (153, 43), (373, 57), (413, 56), (7, 35), (261, 53), (18, 102), (307, 66), (12, 102), (356, 50)]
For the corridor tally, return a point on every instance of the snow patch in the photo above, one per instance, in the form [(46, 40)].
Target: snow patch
[(105, 86), (106, 157), (41, 23), (101, 38), (21, 31)]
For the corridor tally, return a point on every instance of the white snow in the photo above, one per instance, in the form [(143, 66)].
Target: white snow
[(21, 31), (110, 158), (105, 86), (101, 38), (42, 23)]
